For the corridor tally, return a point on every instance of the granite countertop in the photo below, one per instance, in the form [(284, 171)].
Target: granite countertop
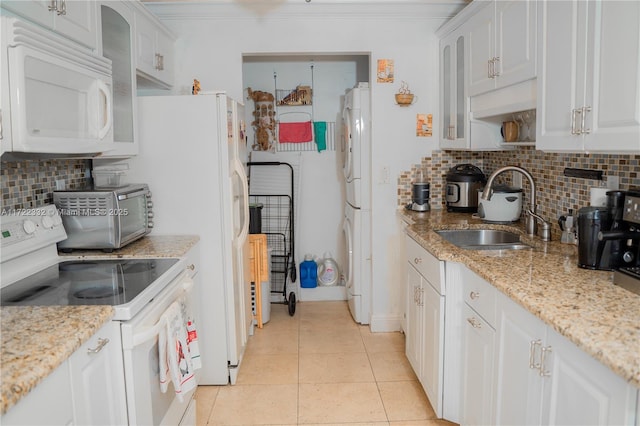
[(582, 305), (38, 339)]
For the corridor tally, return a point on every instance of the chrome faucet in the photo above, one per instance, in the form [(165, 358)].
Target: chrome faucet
[(532, 216)]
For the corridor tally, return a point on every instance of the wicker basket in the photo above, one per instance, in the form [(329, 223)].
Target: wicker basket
[(404, 98)]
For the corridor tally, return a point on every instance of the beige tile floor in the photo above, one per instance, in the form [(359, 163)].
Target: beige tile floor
[(319, 367)]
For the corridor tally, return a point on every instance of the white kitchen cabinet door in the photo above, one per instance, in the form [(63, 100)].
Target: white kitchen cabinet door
[(561, 34), (582, 391), (453, 92), (432, 305), (477, 369), (519, 385), (76, 20), (515, 27), (613, 79), (481, 34), (502, 45), (413, 335), (154, 53), (589, 76), (118, 45), (97, 379)]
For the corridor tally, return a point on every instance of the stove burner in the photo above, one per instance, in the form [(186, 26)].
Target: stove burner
[(98, 292)]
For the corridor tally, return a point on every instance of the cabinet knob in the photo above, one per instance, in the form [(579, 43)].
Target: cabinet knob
[(191, 267), (417, 260), (474, 295)]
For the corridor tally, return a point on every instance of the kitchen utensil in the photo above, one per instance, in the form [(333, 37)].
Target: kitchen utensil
[(509, 131), (505, 205), (463, 183)]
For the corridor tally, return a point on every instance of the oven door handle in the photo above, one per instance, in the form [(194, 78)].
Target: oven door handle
[(153, 331)]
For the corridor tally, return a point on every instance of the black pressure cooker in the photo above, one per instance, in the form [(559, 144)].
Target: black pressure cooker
[(463, 182)]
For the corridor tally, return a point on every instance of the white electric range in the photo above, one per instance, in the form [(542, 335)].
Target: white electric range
[(139, 289)]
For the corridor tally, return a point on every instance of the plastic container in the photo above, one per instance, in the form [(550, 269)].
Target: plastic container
[(328, 271), (108, 178), (308, 272)]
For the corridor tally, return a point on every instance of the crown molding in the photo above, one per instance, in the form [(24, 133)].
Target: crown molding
[(286, 9)]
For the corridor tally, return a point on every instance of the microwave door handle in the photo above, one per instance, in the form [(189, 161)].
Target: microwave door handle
[(108, 121)]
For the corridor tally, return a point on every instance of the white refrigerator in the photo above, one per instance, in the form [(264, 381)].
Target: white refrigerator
[(193, 155)]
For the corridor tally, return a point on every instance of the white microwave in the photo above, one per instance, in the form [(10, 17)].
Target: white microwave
[(59, 94)]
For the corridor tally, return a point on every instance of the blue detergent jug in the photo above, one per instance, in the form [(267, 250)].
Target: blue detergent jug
[(308, 272)]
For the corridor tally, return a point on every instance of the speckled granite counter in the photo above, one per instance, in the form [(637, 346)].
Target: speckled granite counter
[(37, 339), (582, 305)]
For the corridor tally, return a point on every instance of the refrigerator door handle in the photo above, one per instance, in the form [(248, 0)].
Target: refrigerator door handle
[(244, 230)]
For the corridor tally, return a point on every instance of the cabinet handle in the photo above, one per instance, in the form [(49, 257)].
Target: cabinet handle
[(421, 297), (474, 322), (543, 355), (532, 354), (63, 8), (474, 295), (452, 132), (159, 62), (53, 5), (574, 120), (496, 73), (417, 260), (101, 344), (584, 110)]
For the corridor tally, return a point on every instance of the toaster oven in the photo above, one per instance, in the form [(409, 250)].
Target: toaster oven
[(104, 219)]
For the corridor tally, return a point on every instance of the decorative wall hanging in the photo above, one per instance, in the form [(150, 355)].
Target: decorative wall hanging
[(404, 97), (424, 125), (385, 71), (264, 121)]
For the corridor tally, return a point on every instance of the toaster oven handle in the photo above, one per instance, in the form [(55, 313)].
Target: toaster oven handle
[(127, 195)]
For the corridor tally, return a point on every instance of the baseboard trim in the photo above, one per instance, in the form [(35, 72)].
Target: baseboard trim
[(385, 323)]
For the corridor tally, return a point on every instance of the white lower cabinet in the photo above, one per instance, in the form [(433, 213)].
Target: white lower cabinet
[(478, 349), (543, 378), (426, 330), (47, 404), (97, 380)]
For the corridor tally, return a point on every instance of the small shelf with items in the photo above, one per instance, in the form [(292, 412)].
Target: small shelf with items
[(301, 95)]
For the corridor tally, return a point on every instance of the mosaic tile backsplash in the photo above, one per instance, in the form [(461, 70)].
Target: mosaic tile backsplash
[(30, 183), (555, 193)]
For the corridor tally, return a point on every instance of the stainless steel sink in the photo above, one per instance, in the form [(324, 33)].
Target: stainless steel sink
[(483, 239)]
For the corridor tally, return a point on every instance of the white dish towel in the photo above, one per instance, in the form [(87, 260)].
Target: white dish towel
[(175, 360)]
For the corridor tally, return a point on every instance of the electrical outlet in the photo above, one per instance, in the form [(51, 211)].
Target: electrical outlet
[(516, 178), (384, 175), (613, 182)]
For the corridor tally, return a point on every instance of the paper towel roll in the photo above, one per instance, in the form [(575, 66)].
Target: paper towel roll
[(599, 196)]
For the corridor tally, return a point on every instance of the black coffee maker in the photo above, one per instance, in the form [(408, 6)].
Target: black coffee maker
[(605, 240)]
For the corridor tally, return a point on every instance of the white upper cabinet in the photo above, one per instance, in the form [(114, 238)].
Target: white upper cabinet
[(118, 46), (502, 45), (453, 93), (589, 76), (154, 53), (76, 20)]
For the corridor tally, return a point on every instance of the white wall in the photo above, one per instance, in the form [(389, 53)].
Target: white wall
[(212, 40)]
